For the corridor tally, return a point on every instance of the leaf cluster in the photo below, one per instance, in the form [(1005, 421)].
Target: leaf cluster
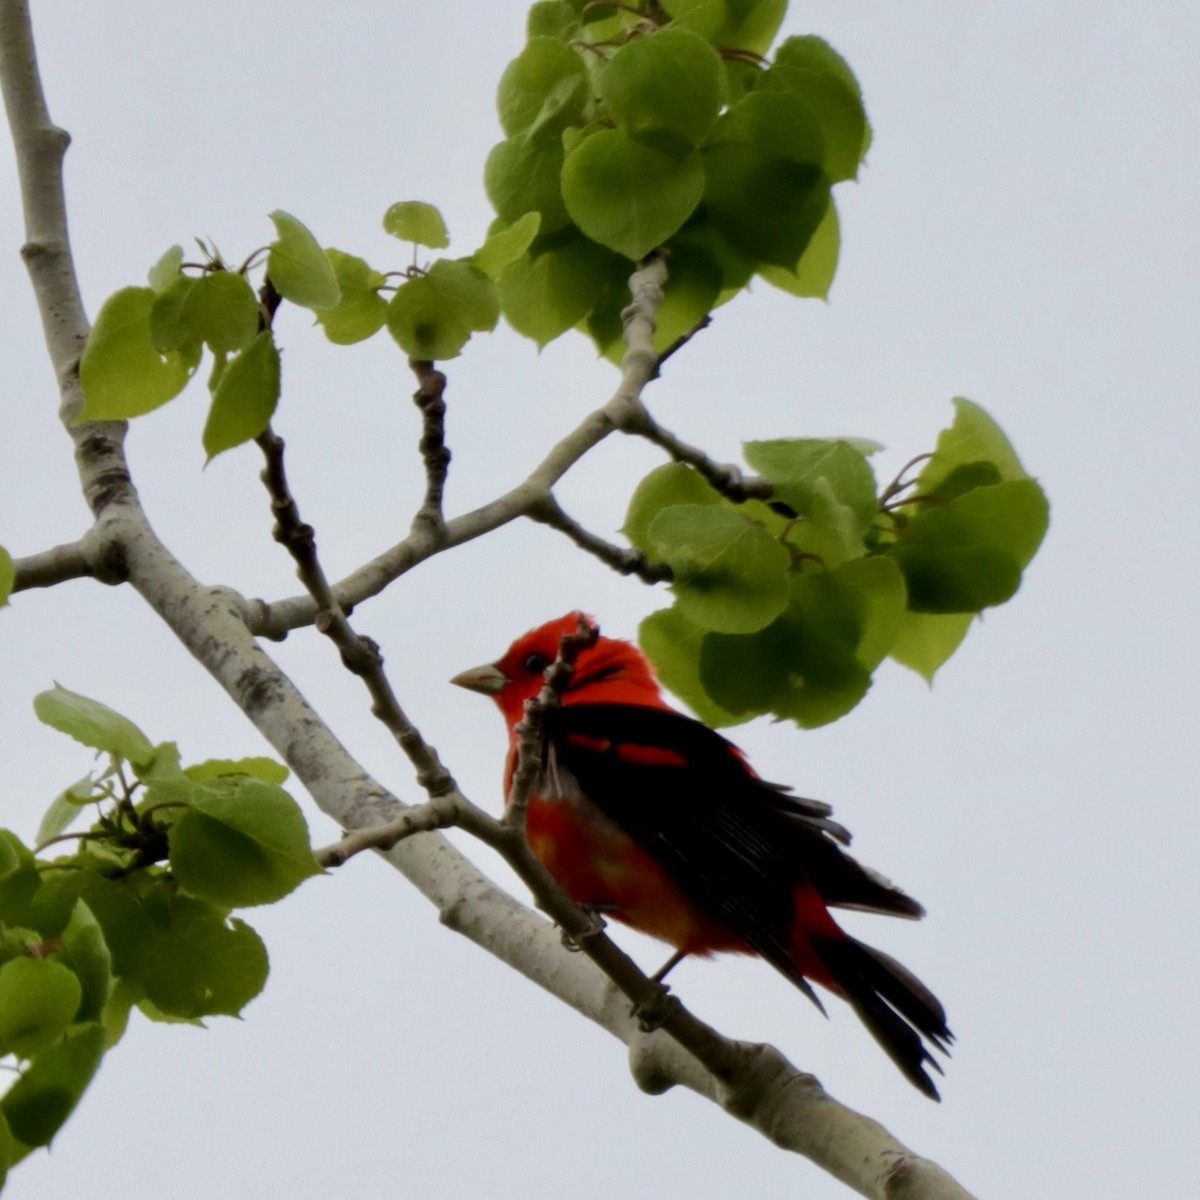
[(140, 915), (787, 607), (633, 128), (148, 342)]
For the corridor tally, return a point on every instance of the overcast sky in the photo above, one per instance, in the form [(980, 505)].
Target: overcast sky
[(1024, 233)]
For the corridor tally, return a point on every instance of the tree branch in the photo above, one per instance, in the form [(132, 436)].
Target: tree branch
[(725, 478), (624, 559), (430, 399), (53, 566)]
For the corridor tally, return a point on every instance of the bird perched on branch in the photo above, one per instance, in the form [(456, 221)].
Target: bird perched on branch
[(647, 816)]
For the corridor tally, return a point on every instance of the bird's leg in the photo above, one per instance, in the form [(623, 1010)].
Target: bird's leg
[(652, 1014), (669, 966)]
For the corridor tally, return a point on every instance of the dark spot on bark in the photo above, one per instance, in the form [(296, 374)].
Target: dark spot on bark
[(257, 690)]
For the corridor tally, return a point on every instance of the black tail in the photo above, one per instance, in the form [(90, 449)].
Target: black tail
[(894, 1005)]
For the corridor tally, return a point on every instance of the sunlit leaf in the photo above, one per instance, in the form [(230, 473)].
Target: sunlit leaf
[(361, 310), (416, 221), (297, 265), (8, 576), (38, 1000), (729, 573), (245, 397), (664, 90), (628, 197), (92, 723), (242, 841), (121, 372), (543, 90)]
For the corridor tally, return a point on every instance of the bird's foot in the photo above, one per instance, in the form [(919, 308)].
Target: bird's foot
[(596, 925), (654, 1011)]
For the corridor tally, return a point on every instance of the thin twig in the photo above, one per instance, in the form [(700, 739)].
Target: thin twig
[(430, 399), (434, 814), (681, 341), (900, 483), (528, 731), (360, 655), (725, 478), (621, 558)]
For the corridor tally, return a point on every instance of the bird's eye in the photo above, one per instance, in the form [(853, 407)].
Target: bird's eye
[(535, 664)]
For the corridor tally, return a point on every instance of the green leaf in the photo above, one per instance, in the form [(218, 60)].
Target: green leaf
[(11, 1151), (169, 327), (361, 311), (729, 573), (416, 221), (702, 17), (124, 995), (19, 879), (750, 25), (87, 954), (543, 90), (432, 316), (506, 245), (202, 965), (794, 466), (92, 723), (245, 397), (43, 1098), (666, 486), (552, 18), (64, 808), (673, 644), (523, 175), (626, 196), (926, 640), (811, 69), (972, 438), (297, 265), (166, 270), (764, 187), (876, 590), (8, 576), (266, 769), (701, 236), (831, 530), (121, 372), (813, 274), (242, 842), (814, 663), (545, 294), (38, 1000), (119, 907), (222, 311), (664, 90), (968, 555)]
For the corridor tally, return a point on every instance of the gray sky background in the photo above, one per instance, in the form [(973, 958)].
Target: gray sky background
[(1024, 234)]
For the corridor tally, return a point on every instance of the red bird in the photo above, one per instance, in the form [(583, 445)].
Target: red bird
[(648, 816)]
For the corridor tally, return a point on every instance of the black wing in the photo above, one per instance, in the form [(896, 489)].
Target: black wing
[(721, 831)]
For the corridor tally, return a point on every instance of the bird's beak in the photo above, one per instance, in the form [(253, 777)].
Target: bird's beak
[(488, 679)]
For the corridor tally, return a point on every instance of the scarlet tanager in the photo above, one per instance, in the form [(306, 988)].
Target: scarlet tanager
[(652, 818)]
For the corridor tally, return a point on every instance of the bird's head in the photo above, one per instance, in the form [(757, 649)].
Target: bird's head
[(608, 671)]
